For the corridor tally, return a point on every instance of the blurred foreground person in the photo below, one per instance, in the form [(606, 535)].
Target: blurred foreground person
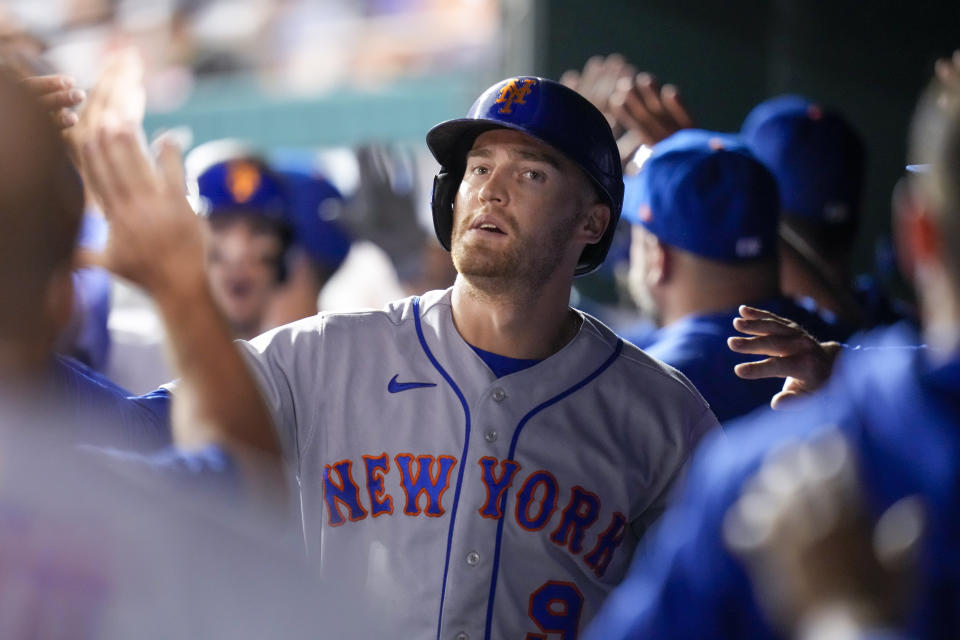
[(898, 409), (95, 546), (820, 568)]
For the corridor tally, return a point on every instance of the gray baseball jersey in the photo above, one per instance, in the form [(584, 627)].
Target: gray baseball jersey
[(461, 505)]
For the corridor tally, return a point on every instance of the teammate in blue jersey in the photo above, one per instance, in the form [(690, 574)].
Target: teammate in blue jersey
[(479, 462), (897, 406), (704, 212), (818, 159)]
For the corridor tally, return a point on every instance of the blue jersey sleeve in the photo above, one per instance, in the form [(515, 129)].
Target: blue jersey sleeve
[(210, 468), (112, 416)]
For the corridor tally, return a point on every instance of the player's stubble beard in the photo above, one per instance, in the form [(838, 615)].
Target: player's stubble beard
[(529, 261)]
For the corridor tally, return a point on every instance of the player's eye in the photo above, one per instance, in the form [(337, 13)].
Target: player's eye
[(535, 175), (479, 170)]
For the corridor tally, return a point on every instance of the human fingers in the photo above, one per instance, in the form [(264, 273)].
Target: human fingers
[(765, 327), (126, 96), (170, 165), (797, 366), (127, 154), (643, 105), (648, 89), (610, 71), (786, 399), (629, 111), (60, 99), (64, 119), (947, 70), (772, 345), (673, 105), (571, 79), (588, 77), (40, 85), (123, 169), (96, 174), (755, 313)]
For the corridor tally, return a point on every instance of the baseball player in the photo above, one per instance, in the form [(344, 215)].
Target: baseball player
[(818, 160), (478, 462), (896, 407), (247, 208), (704, 213)]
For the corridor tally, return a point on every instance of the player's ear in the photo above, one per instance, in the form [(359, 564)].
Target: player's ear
[(916, 236), (658, 259), (594, 223)]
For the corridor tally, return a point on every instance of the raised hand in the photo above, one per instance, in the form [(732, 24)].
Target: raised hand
[(117, 98), (947, 70), (156, 240), (792, 353), (648, 111), (598, 82)]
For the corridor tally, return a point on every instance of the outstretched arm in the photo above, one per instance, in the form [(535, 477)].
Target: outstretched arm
[(156, 242), (792, 353)]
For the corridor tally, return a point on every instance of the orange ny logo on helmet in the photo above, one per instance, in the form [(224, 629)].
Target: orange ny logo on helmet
[(243, 179), (514, 92)]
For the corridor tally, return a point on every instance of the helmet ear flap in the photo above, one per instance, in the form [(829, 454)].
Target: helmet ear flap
[(445, 185)]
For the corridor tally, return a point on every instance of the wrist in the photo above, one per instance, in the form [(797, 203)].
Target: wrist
[(182, 296)]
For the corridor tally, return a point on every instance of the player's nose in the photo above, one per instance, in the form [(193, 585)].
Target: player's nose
[(493, 189)]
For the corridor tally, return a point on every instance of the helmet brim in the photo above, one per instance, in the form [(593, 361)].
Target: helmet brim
[(449, 141)]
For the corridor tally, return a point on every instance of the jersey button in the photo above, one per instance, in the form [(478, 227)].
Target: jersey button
[(462, 636), (473, 558), (490, 436), (499, 394)]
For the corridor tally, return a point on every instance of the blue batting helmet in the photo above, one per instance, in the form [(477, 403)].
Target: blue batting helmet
[(549, 112)]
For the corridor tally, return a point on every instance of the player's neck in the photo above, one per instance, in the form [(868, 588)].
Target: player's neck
[(940, 313), (528, 325), (702, 291)]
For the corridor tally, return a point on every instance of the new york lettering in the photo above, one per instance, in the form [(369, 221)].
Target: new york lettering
[(570, 521)]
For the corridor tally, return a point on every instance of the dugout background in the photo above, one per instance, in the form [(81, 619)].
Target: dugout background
[(868, 59)]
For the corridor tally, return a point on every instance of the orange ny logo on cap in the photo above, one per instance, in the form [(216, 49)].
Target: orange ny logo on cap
[(243, 179), (514, 92)]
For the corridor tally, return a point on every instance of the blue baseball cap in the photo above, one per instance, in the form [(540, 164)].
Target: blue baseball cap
[(316, 206), (815, 155), (706, 193), (243, 185)]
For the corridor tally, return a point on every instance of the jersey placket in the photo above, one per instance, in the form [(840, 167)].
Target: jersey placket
[(474, 538)]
